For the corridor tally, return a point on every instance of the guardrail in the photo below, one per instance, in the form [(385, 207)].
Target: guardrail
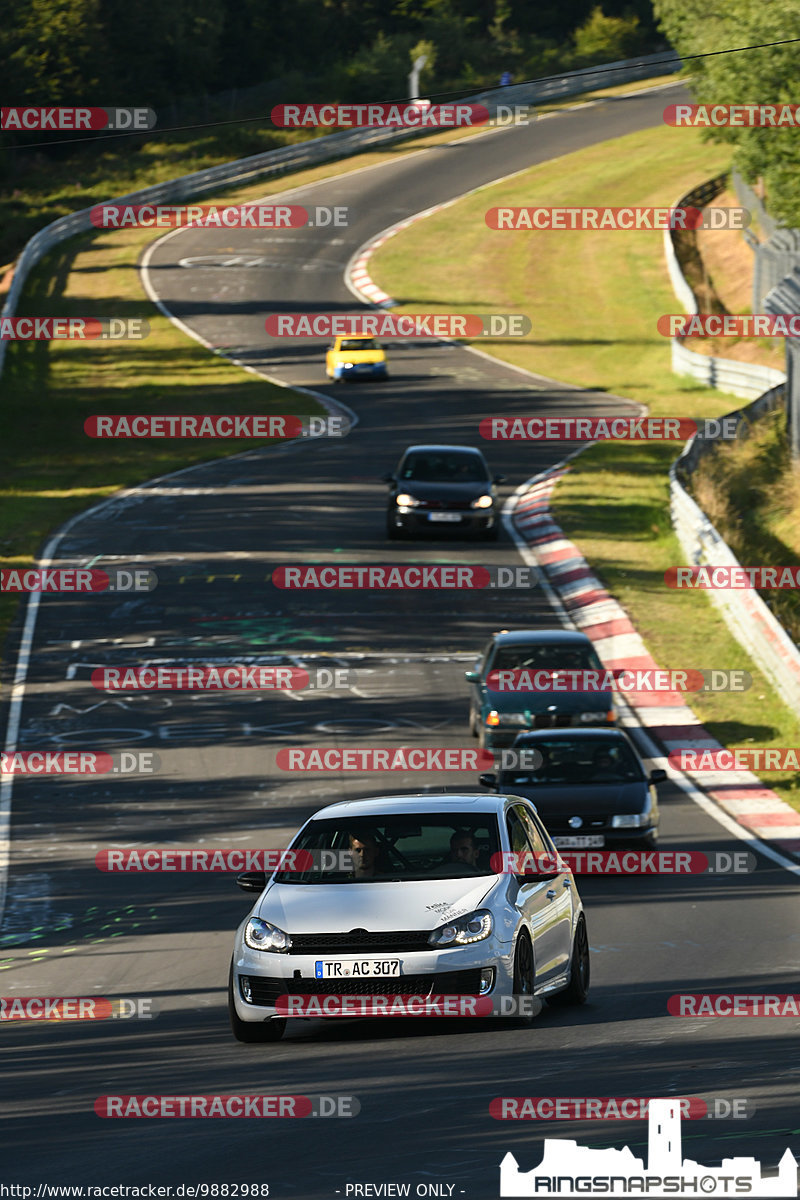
[(748, 380), (319, 150), (747, 616), (785, 298)]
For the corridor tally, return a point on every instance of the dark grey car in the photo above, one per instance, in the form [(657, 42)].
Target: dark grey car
[(590, 786), (442, 489)]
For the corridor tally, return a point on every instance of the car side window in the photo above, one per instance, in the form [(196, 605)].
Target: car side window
[(517, 835), (534, 835), (486, 659)]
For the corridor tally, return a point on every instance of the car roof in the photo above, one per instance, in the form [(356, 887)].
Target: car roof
[(540, 637), (423, 802), (535, 735), (436, 448)]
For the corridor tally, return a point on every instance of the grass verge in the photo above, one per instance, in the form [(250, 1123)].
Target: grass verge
[(601, 333)]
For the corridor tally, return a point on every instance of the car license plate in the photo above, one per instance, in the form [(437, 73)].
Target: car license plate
[(590, 841), (444, 516), (359, 968)]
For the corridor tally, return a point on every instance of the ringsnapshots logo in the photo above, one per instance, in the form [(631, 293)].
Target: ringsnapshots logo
[(393, 325), (569, 1170), (223, 426), (573, 218), (47, 119)]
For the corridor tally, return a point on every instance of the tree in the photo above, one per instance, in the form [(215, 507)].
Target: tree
[(767, 76)]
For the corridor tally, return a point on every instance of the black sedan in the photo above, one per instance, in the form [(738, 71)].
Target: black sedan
[(438, 488), (590, 786)]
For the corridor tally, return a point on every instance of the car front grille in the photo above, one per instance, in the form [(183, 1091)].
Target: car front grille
[(359, 940), (265, 990), (560, 825), (557, 720)]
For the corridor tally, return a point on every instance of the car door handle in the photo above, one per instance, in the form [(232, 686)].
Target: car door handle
[(567, 883), (551, 895)]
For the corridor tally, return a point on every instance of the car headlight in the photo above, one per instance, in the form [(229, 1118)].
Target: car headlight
[(474, 927), (630, 820), (260, 935), (406, 501), (482, 502), (597, 718), (348, 366)]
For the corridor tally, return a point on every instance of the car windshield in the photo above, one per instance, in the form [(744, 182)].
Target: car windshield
[(359, 344), (399, 848), (555, 656), (431, 467), (576, 761)]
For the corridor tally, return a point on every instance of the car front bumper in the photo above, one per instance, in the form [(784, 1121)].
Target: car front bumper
[(470, 520), (449, 972)]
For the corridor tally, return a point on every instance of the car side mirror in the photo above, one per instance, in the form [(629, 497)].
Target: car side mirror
[(388, 478), (252, 881), (472, 676), (488, 779), (658, 776), (499, 479)]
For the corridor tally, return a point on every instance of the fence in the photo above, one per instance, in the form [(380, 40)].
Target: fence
[(319, 150)]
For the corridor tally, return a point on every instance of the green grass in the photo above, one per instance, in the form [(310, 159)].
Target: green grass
[(594, 299)]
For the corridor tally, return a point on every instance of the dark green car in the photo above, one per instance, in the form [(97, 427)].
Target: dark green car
[(497, 716)]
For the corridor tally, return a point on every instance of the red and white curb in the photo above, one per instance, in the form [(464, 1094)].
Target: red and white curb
[(356, 276), (668, 718)]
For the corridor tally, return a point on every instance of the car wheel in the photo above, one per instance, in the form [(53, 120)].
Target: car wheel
[(651, 842), (523, 977), (578, 988), (491, 534), (473, 723), (247, 1031), (393, 532)]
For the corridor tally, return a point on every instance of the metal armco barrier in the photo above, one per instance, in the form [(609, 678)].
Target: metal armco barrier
[(748, 380), (323, 149), (785, 298), (743, 611)]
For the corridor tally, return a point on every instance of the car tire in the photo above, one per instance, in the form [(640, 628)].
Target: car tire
[(578, 988), (491, 534), (393, 532), (251, 1031), (524, 975)]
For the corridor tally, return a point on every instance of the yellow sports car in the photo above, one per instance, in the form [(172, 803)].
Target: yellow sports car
[(355, 357)]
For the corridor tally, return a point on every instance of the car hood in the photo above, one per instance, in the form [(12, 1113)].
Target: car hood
[(595, 798), (360, 356), (378, 907), (421, 490), (539, 702)]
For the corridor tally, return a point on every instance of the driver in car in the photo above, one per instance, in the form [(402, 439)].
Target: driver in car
[(464, 848)]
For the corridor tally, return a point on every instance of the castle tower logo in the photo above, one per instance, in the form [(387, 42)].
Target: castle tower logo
[(570, 1170)]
